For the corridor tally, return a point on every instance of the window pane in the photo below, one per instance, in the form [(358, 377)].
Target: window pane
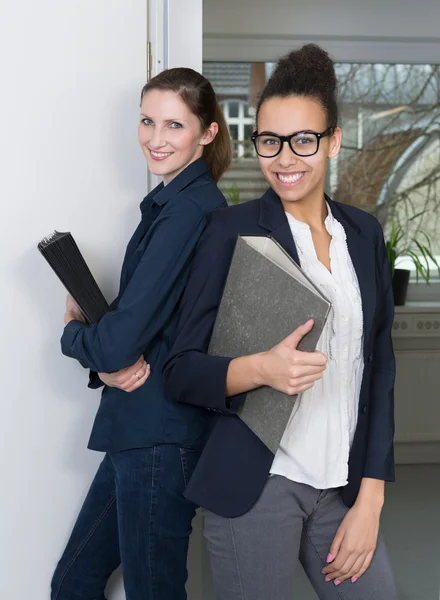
[(234, 131), (233, 109), (249, 111), (248, 131), (389, 162)]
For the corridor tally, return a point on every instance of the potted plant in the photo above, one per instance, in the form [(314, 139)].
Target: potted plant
[(233, 194), (418, 248)]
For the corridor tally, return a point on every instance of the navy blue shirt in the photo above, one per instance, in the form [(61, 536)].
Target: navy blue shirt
[(144, 318)]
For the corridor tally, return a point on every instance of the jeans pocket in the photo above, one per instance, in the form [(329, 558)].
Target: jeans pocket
[(188, 459)]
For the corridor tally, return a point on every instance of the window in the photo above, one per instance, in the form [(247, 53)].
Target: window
[(241, 124), (390, 160)]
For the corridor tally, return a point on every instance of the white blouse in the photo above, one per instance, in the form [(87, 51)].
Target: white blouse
[(315, 446)]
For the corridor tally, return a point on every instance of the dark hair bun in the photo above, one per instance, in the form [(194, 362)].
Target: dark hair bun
[(310, 67), (308, 71)]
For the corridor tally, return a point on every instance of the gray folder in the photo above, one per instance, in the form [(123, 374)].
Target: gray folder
[(266, 297)]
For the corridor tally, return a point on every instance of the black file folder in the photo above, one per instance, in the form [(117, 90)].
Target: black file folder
[(63, 255)]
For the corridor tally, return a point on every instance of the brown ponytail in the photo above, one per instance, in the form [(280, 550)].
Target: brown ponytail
[(218, 154), (198, 94)]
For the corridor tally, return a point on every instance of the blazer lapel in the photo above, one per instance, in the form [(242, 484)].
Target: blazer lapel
[(362, 254), (274, 220)]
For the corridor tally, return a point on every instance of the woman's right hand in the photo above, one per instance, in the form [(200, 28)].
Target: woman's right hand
[(289, 370), (128, 379)]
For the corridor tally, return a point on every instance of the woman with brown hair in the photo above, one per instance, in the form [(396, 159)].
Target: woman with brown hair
[(135, 512)]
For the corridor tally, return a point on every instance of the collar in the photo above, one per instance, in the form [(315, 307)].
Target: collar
[(273, 219), (341, 215), (273, 216), (164, 193), (151, 196)]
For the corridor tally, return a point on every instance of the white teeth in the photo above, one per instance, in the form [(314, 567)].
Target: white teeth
[(160, 154), (290, 178)]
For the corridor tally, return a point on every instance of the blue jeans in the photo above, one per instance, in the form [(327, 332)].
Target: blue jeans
[(134, 514)]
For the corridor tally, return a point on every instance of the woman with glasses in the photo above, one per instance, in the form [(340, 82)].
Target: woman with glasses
[(320, 496)]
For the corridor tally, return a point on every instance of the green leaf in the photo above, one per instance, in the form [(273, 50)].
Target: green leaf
[(419, 214), (233, 194)]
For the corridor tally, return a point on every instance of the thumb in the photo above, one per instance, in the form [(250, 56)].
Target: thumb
[(71, 303), (294, 338), (138, 364)]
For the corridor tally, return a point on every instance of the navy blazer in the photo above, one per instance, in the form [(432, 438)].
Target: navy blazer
[(235, 464), (144, 319)]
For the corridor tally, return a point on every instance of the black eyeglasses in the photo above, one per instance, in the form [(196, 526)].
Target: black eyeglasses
[(302, 143)]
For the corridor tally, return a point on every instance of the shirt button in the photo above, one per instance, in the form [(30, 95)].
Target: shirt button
[(364, 408), (345, 319)]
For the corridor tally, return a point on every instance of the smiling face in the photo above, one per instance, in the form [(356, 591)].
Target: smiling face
[(170, 135), (295, 178)]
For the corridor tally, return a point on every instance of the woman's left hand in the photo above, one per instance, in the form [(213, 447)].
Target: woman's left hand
[(73, 311), (354, 544)]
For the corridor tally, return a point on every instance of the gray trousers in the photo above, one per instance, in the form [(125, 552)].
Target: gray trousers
[(253, 557)]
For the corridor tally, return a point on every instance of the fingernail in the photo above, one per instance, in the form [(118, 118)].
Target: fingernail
[(337, 582), (329, 558), (327, 579), (354, 579)]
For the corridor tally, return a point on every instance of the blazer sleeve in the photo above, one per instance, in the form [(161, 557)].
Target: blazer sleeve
[(149, 300), (379, 462), (191, 375)]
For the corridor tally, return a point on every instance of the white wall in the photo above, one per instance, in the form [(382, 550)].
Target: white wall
[(71, 75), (262, 30), (185, 33)]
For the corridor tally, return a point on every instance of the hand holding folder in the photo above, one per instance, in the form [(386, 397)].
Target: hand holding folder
[(266, 297), (289, 370)]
